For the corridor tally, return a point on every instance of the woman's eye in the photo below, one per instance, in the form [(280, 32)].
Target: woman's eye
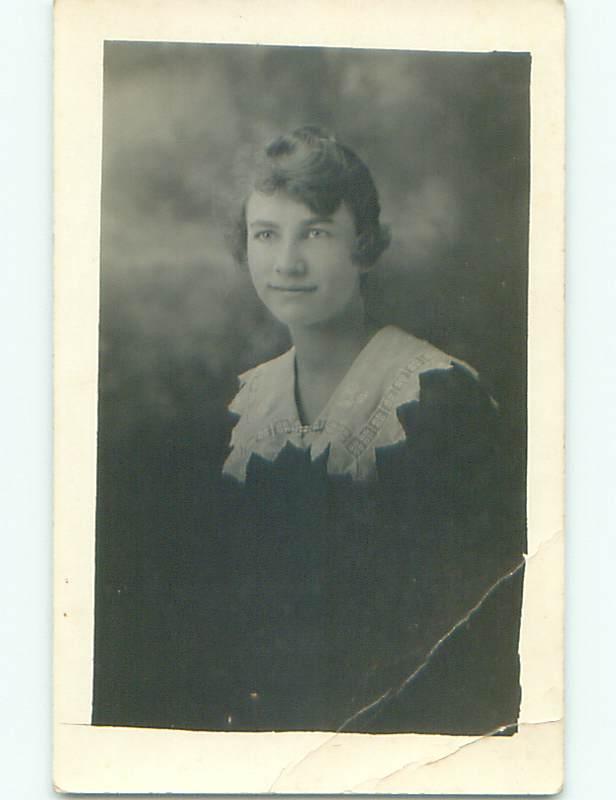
[(264, 236), (316, 233)]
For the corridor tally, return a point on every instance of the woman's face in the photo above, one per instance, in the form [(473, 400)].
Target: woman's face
[(300, 263)]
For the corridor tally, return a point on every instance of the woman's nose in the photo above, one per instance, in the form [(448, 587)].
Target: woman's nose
[(290, 262)]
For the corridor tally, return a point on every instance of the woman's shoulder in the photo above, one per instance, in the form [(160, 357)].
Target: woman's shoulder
[(264, 411), (266, 377), (416, 370), (404, 350), (442, 379), (267, 369)]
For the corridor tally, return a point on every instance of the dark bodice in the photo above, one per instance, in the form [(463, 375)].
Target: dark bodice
[(313, 602)]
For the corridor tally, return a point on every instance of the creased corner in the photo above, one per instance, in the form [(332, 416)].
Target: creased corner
[(395, 691), (375, 784)]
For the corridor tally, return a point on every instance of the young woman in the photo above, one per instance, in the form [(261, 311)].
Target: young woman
[(374, 573), (310, 232)]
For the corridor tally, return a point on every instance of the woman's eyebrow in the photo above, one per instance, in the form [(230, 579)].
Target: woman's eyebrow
[(318, 221), (263, 223)]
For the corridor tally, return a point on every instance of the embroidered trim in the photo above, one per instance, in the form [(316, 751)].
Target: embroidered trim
[(362, 408), (379, 417)]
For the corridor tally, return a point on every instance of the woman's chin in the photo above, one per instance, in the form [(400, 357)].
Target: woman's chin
[(296, 314), (298, 320), (308, 315)]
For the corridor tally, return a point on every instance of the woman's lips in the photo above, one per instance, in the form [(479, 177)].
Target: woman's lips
[(279, 288)]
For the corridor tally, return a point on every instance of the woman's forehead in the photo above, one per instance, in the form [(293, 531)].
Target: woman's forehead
[(282, 208)]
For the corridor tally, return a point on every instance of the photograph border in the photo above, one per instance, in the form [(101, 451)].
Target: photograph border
[(89, 759)]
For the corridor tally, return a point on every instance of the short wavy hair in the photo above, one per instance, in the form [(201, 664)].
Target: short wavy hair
[(312, 167)]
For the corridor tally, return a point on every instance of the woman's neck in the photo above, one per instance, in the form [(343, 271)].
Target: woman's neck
[(323, 356), (327, 349)]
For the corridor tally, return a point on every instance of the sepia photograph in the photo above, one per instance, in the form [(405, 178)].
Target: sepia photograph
[(334, 539), (307, 407)]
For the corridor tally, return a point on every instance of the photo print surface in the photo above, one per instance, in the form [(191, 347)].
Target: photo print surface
[(311, 452)]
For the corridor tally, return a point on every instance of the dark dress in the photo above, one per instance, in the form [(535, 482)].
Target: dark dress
[(317, 602)]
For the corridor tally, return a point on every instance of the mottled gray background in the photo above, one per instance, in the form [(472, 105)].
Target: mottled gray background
[(447, 138)]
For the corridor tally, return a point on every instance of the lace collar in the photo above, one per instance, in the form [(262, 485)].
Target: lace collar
[(359, 417)]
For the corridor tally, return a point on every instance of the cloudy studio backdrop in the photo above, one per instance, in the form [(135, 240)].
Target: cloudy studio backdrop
[(446, 136)]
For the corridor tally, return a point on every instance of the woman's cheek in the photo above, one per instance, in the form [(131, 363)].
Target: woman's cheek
[(256, 270), (259, 282), (345, 284)]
